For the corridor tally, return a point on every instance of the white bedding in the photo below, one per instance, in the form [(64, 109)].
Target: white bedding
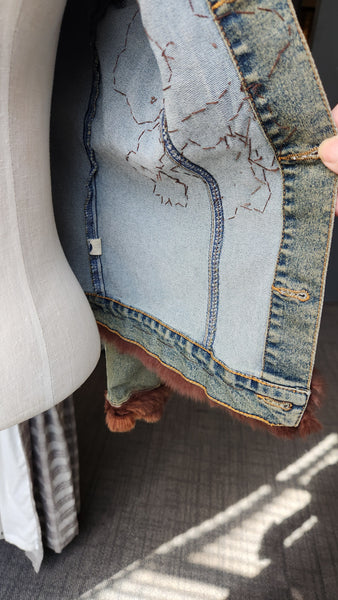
[(19, 523)]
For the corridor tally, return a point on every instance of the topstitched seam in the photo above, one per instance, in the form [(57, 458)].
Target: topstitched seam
[(221, 403), (217, 361), (247, 88), (275, 273), (292, 158), (217, 232), (90, 207), (251, 100)]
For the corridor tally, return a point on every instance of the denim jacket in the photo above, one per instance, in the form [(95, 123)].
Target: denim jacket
[(190, 198)]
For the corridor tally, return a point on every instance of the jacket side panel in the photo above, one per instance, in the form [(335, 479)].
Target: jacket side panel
[(284, 87)]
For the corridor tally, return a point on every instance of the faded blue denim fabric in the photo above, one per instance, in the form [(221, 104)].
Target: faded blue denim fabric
[(125, 376), (203, 213)]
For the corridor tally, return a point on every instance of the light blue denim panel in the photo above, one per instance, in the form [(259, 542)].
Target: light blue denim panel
[(154, 249), (210, 120), (162, 209)]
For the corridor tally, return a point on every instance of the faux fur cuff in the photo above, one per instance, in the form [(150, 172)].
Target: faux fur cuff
[(142, 406)]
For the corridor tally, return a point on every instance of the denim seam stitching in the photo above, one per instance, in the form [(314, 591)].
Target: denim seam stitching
[(196, 344), (327, 108), (90, 207), (325, 105), (217, 230), (253, 106), (221, 403)]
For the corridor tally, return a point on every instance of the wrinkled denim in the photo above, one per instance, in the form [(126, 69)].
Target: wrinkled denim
[(192, 204), (125, 376)]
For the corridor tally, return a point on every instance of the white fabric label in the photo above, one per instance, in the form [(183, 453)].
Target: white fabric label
[(95, 247)]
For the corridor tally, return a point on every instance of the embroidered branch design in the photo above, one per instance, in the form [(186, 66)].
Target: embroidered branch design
[(217, 231), (171, 183), (221, 12)]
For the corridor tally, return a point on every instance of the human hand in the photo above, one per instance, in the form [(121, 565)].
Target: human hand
[(328, 151)]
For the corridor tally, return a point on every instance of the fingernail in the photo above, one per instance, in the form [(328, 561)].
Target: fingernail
[(328, 151)]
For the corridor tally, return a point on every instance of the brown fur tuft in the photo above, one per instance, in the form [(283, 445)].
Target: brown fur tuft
[(176, 382), (142, 406)]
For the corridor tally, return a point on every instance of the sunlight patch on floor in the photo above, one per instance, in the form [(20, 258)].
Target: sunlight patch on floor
[(233, 540), (297, 534), (309, 458), (238, 551)]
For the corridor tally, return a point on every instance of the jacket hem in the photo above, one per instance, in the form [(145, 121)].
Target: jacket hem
[(247, 395)]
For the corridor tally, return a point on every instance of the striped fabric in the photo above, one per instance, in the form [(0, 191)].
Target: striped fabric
[(39, 482), (56, 473)]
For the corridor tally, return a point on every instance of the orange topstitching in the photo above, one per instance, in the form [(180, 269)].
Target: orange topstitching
[(194, 382), (251, 377)]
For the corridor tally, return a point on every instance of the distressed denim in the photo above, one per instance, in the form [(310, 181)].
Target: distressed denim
[(190, 198)]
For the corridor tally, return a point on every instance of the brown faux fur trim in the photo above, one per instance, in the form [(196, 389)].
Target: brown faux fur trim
[(142, 406), (176, 382)]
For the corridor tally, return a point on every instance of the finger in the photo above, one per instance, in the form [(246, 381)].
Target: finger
[(335, 114), (328, 152), (331, 142)]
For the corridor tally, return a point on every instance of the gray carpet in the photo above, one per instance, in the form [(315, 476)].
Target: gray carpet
[(196, 507)]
